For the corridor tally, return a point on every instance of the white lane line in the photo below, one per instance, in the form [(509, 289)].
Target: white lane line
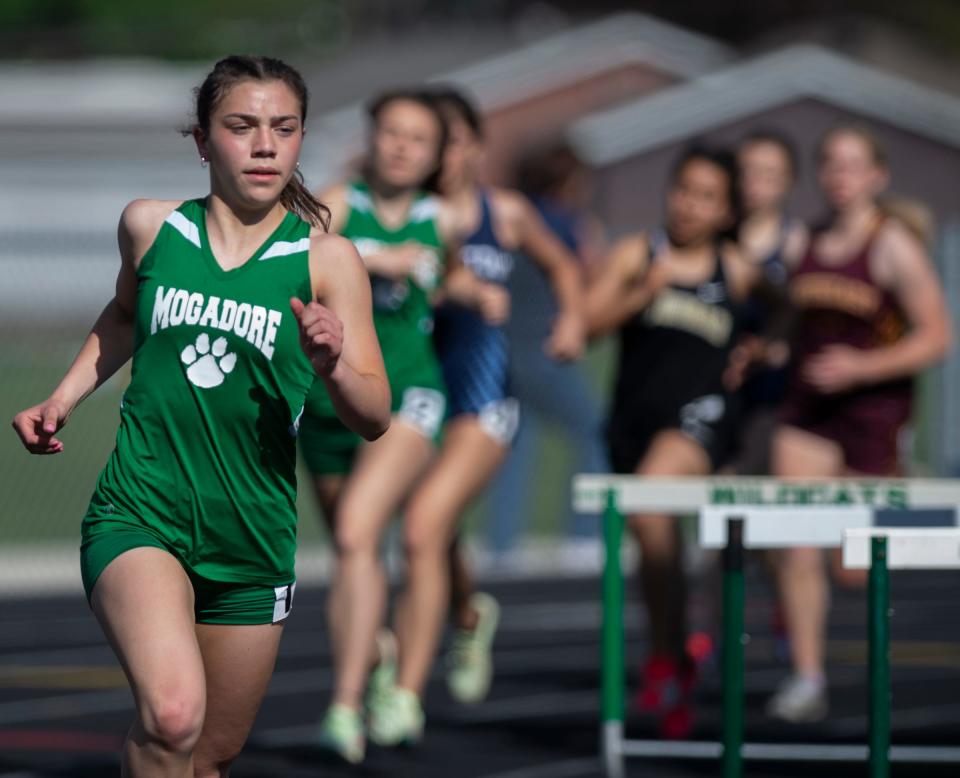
[(568, 768)]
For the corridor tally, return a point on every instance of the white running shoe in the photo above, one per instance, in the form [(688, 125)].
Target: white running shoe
[(799, 700), (396, 718), (470, 659), (341, 733)]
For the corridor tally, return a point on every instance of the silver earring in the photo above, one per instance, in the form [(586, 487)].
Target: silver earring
[(203, 161)]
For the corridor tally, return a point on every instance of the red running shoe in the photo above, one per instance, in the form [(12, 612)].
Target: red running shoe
[(664, 682), (666, 688), (700, 648)]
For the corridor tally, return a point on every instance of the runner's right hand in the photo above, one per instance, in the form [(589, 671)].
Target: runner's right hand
[(37, 427), (321, 335)]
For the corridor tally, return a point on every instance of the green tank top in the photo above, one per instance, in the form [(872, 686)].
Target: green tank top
[(205, 455), (402, 309)]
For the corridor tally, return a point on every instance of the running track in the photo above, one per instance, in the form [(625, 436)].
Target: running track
[(64, 704)]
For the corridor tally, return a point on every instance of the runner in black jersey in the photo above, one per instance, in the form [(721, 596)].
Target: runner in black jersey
[(671, 294)]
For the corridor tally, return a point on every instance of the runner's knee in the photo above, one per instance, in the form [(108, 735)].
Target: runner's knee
[(354, 539), (174, 720), (423, 541)]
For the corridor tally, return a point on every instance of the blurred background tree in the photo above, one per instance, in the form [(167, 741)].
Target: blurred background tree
[(201, 29), (168, 29)]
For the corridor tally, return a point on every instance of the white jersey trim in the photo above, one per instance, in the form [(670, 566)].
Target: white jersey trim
[(500, 419), (423, 409), (185, 227), (284, 248), (359, 201), (424, 210)]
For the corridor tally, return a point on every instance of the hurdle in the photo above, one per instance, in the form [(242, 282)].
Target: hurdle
[(880, 550), (735, 513)]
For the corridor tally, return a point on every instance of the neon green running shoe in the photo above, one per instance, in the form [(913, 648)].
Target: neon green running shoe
[(396, 718), (470, 659), (341, 733)]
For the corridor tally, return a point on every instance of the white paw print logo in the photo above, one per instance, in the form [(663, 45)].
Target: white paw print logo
[(208, 366)]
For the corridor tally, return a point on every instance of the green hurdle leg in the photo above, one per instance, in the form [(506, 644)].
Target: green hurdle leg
[(879, 659), (612, 683), (733, 605)]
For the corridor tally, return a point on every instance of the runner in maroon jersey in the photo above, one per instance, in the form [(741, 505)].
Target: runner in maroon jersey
[(872, 317)]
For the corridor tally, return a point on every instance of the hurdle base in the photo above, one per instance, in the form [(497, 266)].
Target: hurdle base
[(613, 742), (810, 752)]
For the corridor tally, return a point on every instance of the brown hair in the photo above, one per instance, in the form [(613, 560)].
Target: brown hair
[(425, 100), (453, 100), (912, 214), (229, 72), (782, 141), (544, 170), (877, 150)]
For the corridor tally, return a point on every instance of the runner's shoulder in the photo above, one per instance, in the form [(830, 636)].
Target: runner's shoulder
[(142, 218), (140, 224)]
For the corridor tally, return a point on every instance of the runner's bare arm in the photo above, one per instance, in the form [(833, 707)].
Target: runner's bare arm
[(904, 268), (462, 286), (568, 333), (624, 286)]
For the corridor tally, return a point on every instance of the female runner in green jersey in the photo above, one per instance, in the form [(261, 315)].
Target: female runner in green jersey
[(230, 305), (482, 417), (405, 237)]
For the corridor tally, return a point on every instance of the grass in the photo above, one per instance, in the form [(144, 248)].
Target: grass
[(46, 497)]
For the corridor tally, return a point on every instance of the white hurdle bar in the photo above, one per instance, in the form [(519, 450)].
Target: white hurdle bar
[(688, 495), (908, 548), (778, 526)]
